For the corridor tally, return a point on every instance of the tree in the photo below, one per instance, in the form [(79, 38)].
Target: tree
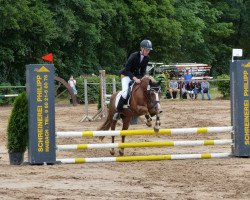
[(26, 30)]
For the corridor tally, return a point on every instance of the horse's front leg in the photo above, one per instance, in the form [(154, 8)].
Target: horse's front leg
[(149, 120), (157, 123), (121, 150)]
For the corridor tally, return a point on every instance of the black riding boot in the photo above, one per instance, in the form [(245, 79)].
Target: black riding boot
[(119, 108)]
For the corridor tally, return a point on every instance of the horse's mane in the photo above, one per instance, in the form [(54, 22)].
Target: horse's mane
[(149, 78), (145, 82)]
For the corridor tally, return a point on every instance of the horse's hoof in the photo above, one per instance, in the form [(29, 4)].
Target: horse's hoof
[(112, 152), (156, 129), (149, 124), (121, 153)]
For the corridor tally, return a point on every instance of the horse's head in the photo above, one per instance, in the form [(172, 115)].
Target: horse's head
[(153, 96)]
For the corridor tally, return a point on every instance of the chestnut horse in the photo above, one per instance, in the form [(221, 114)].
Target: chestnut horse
[(144, 101)]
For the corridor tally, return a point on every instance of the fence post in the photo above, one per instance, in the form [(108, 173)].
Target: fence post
[(240, 106), (41, 104)]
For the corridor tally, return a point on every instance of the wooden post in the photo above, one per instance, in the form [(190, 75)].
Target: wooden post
[(86, 117)]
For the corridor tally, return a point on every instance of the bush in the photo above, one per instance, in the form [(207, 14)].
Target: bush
[(224, 85), (164, 78), (17, 131)]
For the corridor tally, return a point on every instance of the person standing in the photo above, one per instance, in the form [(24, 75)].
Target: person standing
[(187, 77), (72, 84), (135, 69)]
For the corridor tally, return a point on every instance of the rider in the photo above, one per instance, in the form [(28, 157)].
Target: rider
[(135, 69)]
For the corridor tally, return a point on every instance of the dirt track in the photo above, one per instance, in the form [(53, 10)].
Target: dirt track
[(226, 178)]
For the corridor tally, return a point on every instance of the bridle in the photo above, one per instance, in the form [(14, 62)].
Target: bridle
[(153, 90)]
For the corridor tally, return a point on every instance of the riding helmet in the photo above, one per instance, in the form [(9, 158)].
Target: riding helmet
[(146, 44)]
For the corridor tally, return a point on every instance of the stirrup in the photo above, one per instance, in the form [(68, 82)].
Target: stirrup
[(116, 116)]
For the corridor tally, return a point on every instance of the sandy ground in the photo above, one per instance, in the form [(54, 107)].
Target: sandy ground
[(225, 178)]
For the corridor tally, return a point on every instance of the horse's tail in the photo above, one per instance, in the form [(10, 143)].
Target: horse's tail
[(104, 127), (107, 124)]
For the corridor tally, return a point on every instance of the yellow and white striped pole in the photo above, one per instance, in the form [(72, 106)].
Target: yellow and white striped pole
[(176, 131), (144, 144), (143, 158)]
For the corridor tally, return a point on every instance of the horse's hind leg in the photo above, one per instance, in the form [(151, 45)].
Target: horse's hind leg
[(125, 123), (113, 124), (121, 150), (112, 150)]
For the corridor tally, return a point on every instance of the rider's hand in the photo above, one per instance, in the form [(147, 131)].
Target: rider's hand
[(137, 80)]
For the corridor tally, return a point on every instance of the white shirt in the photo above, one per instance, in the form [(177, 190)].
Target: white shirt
[(142, 56), (72, 83)]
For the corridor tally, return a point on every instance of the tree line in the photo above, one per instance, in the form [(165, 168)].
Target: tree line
[(87, 35)]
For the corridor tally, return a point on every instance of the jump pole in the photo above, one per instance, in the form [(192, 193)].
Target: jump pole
[(144, 144), (8, 95), (175, 131), (144, 158)]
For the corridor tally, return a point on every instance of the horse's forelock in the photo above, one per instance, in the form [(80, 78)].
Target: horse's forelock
[(155, 84)]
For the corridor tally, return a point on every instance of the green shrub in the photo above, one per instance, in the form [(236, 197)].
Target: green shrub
[(223, 84), (17, 131), (164, 78)]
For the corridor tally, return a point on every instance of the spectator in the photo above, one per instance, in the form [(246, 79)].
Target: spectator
[(183, 92), (205, 89), (187, 77), (72, 84), (190, 89), (173, 87), (197, 88)]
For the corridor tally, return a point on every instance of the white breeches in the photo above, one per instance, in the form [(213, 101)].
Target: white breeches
[(125, 83)]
